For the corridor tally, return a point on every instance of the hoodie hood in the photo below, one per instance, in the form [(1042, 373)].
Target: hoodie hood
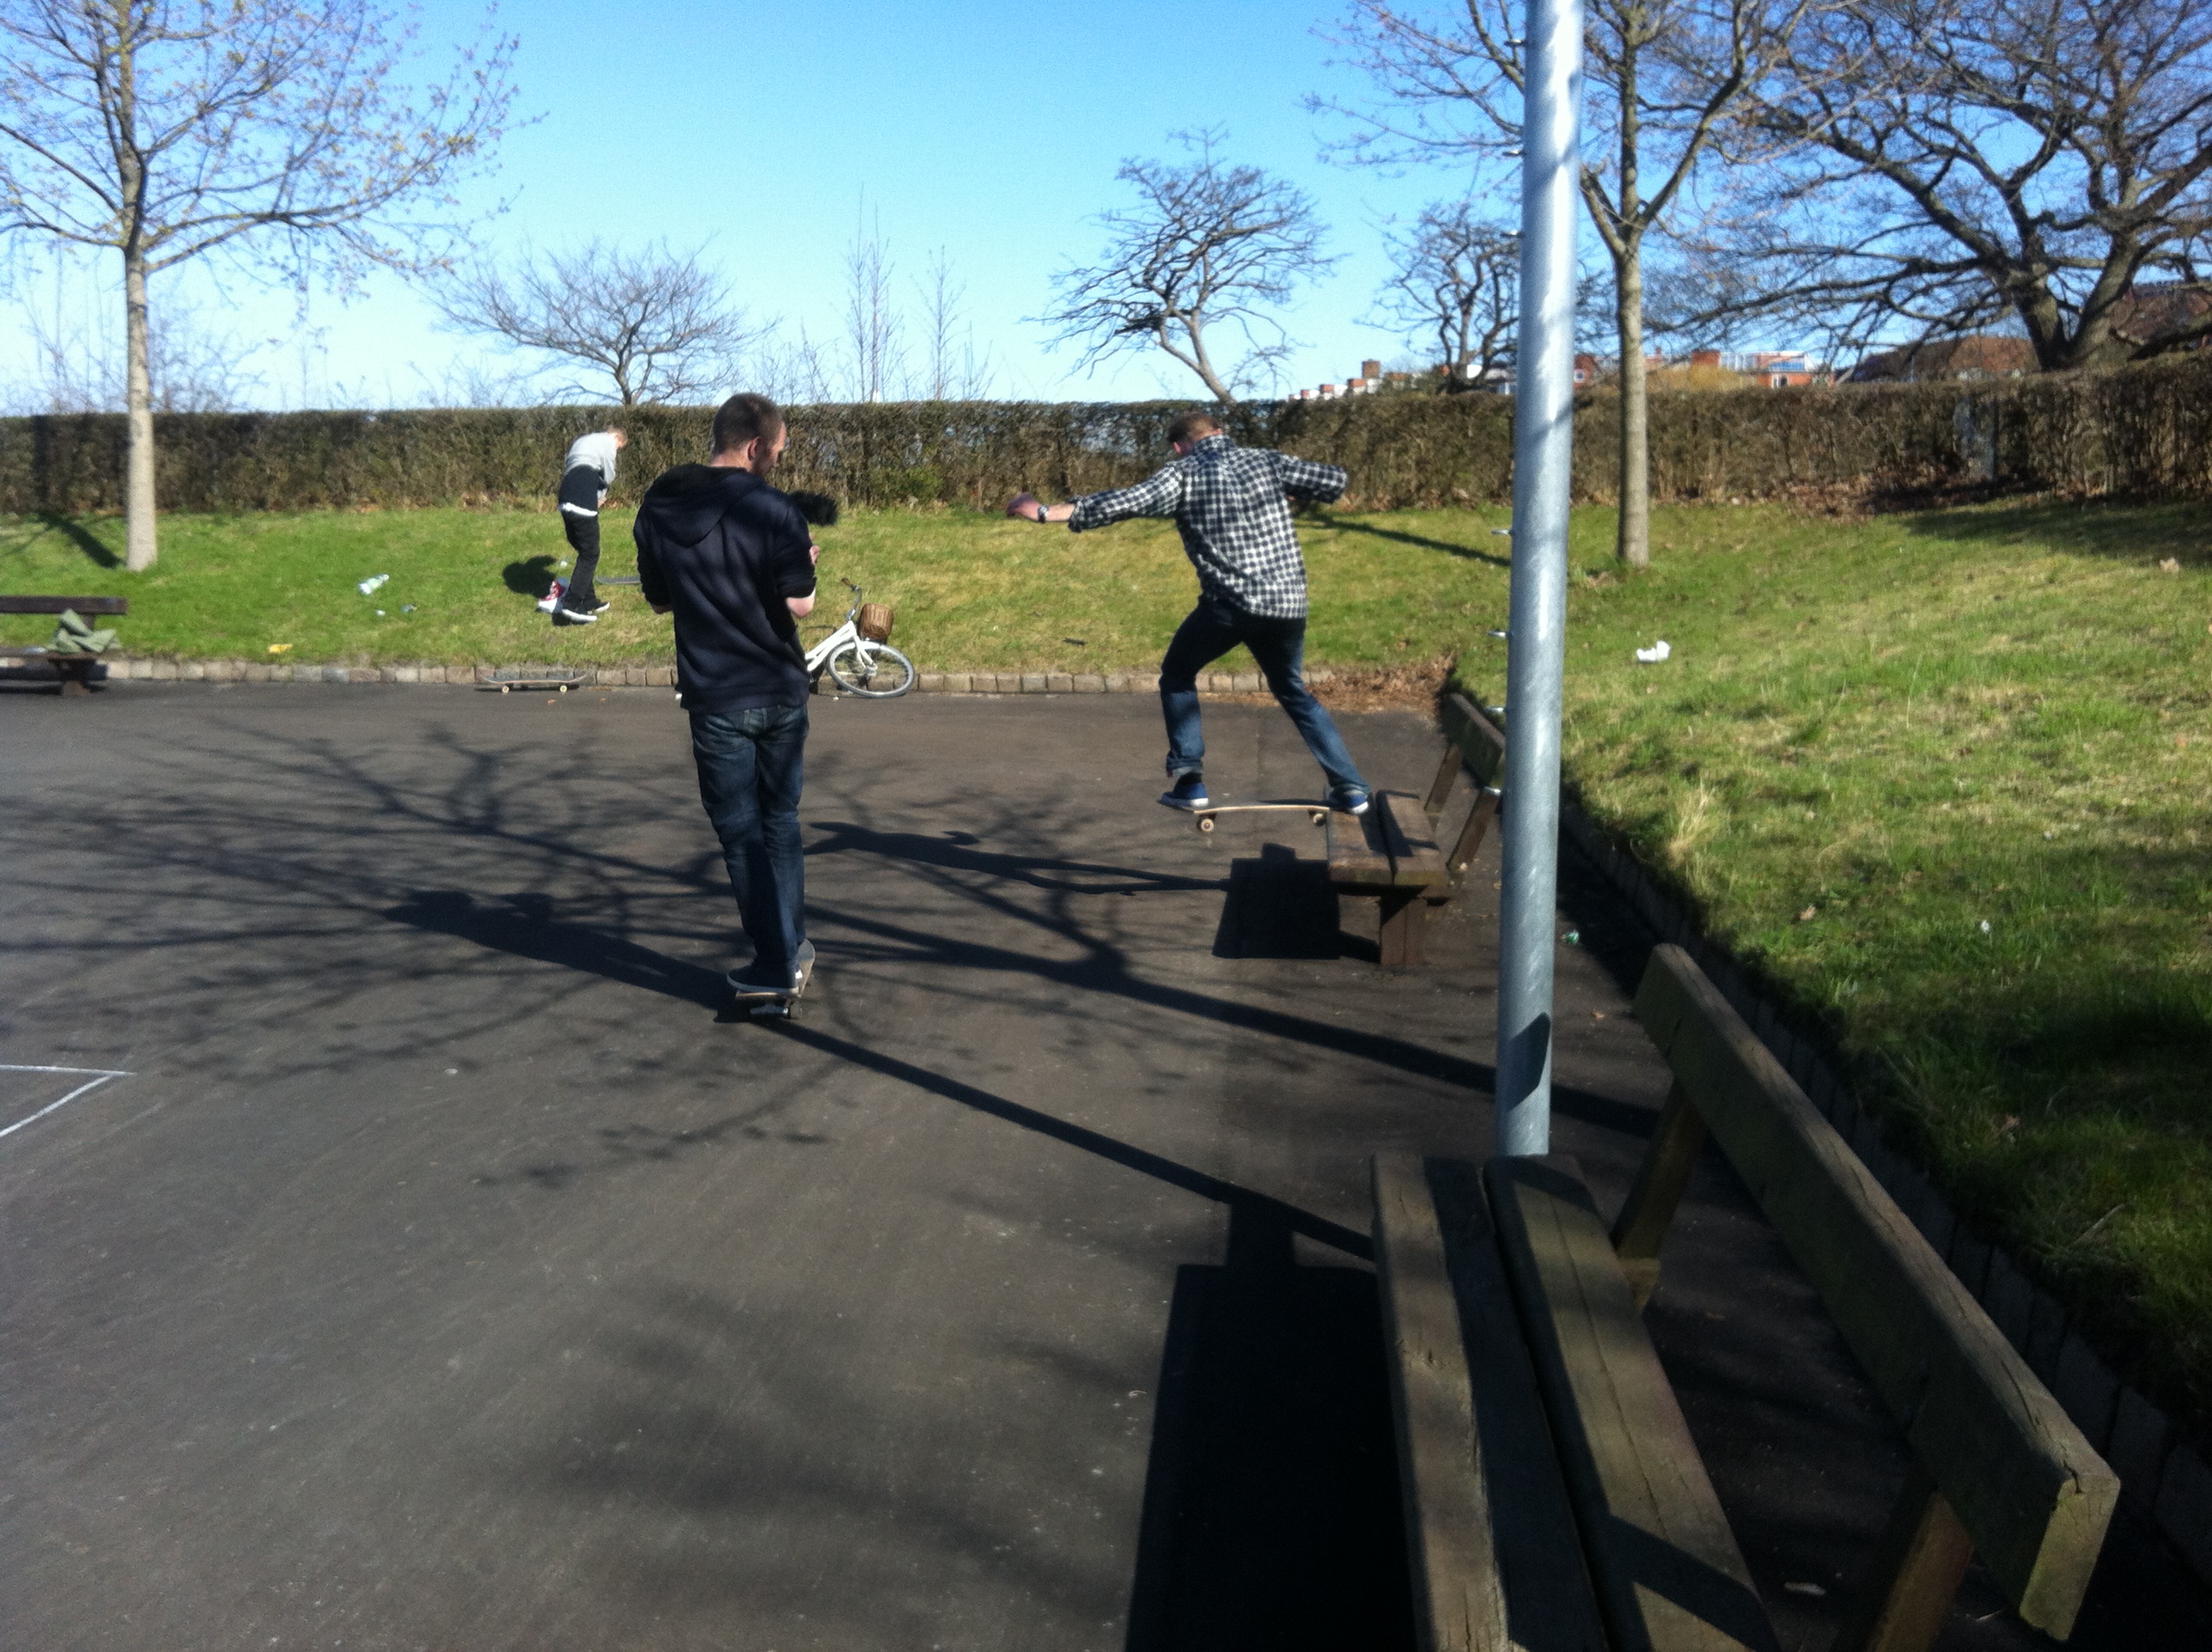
[(684, 504)]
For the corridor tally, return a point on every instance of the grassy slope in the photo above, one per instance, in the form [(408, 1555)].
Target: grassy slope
[(973, 593), (1874, 738), (1944, 779)]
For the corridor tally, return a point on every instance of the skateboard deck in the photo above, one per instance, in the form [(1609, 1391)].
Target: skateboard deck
[(528, 682), (1204, 819), (776, 1005)]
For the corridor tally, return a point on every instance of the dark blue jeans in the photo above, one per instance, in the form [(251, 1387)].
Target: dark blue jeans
[(1215, 627), (750, 765)]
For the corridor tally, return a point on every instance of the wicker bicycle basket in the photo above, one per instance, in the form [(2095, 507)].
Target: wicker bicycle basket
[(873, 622)]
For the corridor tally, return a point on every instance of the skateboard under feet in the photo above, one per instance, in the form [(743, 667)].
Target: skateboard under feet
[(1204, 819), (776, 1004)]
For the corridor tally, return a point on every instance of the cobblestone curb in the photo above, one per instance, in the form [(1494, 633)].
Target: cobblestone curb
[(2163, 1479)]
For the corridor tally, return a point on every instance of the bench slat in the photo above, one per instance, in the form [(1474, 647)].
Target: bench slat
[(1471, 1431), (55, 605), (1416, 862), (2030, 1490), (1668, 1572), (1478, 740), (1356, 855)]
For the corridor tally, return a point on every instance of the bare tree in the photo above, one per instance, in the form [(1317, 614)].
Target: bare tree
[(280, 129), (873, 328), (1208, 243), (1952, 164), (1666, 77), (1455, 278), (956, 372), (659, 325)]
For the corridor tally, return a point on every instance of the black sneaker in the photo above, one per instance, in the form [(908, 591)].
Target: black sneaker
[(1347, 799), (566, 615), (1188, 791)]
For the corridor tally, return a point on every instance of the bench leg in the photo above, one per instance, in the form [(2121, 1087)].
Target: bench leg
[(1440, 788), (1915, 1575), (1471, 835), (1660, 1181), (1404, 913), (75, 674)]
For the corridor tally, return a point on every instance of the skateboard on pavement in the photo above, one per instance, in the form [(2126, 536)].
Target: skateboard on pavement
[(509, 681), (776, 1004), (1204, 819)]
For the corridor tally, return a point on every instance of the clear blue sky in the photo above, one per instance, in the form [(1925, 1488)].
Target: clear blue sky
[(990, 130)]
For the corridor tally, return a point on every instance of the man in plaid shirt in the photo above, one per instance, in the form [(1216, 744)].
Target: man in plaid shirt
[(1233, 507)]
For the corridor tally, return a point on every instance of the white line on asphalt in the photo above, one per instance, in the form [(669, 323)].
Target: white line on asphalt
[(100, 1076)]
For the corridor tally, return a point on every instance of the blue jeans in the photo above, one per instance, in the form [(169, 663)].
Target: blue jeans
[(1215, 627), (750, 765)]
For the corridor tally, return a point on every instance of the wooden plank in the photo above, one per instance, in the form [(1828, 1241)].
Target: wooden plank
[(56, 605), (1398, 937), (1471, 1437), (1440, 789), (1470, 834), (2031, 1492), (1667, 1573), (1660, 1180), (1916, 1574), (1478, 738), (1356, 855), (1416, 862)]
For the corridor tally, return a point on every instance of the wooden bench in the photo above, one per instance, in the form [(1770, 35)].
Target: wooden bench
[(74, 671), (1512, 1315), (1387, 854)]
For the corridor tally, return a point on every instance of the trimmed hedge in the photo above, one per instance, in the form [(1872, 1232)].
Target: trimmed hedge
[(2145, 431)]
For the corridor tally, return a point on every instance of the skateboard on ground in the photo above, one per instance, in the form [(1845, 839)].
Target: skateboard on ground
[(506, 681), (1204, 819), (776, 1003)]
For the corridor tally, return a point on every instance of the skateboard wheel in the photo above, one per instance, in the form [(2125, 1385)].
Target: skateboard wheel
[(1206, 823), (502, 688), (1320, 817)]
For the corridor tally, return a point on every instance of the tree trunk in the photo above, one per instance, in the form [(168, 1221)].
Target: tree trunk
[(139, 550), (1633, 545)]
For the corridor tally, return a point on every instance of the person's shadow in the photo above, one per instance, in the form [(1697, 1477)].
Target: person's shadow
[(533, 578)]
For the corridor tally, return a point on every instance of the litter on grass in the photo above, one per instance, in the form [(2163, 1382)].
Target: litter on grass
[(369, 586), (280, 647), (1651, 656)]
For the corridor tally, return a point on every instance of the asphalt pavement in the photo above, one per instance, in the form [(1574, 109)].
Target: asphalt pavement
[(422, 1256)]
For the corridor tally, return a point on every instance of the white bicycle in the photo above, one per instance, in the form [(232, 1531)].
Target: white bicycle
[(856, 655)]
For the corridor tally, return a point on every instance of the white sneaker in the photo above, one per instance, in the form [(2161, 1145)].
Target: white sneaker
[(575, 616)]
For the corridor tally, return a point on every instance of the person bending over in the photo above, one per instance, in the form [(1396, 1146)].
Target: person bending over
[(1233, 507), (731, 558), (585, 475)]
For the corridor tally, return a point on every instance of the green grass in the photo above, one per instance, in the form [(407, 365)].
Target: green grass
[(1874, 738), (1943, 780), (972, 592)]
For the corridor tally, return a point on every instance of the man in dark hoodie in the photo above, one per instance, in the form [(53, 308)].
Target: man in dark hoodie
[(731, 558)]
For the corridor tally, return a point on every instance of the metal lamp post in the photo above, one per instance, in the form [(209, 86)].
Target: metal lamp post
[(1543, 454)]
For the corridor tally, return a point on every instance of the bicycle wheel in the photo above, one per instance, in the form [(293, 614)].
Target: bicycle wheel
[(872, 668)]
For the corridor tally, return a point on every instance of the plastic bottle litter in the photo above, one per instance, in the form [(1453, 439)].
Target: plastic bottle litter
[(406, 607), (369, 586), (1651, 656)]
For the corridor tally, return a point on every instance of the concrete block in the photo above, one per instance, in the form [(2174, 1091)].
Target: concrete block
[(1248, 682), (407, 673), (1058, 682), (1090, 682), (360, 674), (953, 682), (1117, 682), (2183, 1509), (1031, 682), (660, 677), (165, 670), (2085, 1387), (2141, 1438), (255, 672), (388, 674), (2046, 1335), (2009, 1298)]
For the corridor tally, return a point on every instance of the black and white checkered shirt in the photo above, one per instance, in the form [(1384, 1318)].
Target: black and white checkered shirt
[(1233, 507)]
